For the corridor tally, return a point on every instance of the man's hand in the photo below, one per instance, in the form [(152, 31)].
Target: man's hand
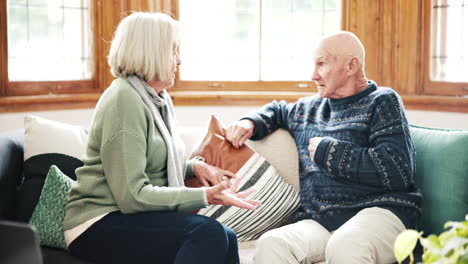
[(210, 175), (225, 195), (239, 132), (313, 143)]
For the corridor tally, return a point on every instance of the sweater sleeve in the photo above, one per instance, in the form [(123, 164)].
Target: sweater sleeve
[(389, 160), (124, 162), (189, 172), (271, 117)]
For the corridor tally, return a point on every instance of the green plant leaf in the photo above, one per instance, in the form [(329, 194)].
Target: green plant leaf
[(405, 244), (432, 243), (456, 244), (463, 231), (463, 258), (428, 257), (445, 237), (453, 224)]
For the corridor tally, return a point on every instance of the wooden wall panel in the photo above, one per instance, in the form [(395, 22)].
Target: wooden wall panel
[(110, 13), (3, 49), (363, 19), (407, 51), (390, 32), (166, 6), (389, 38)]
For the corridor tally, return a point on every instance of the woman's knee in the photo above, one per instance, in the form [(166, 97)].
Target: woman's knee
[(211, 231), (231, 235)]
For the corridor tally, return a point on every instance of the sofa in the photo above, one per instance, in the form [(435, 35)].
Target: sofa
[(442, 176)]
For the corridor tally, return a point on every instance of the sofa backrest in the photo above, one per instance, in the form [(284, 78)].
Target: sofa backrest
[(441, 175)]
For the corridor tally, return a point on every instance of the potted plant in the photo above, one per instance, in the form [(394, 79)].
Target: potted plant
[(450, 246)]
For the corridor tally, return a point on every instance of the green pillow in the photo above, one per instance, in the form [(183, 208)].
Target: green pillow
[(442, 175), (49, 213)]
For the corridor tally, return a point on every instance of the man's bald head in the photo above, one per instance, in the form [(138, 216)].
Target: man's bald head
[(343, 45), (339, 66)]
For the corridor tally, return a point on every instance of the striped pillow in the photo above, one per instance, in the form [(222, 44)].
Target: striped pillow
[(279, 199)]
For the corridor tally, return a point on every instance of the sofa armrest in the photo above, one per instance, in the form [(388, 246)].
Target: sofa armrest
[(11, 172)]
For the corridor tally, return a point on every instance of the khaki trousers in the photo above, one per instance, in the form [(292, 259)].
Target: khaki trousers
[(367, 237)]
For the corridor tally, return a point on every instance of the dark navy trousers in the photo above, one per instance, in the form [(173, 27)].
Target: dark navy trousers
[(157, 237)]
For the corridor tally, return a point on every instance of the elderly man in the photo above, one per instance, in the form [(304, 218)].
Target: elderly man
[(356, 163)]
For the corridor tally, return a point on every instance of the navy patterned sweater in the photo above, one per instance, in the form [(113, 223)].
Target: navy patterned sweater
[(366, 159)]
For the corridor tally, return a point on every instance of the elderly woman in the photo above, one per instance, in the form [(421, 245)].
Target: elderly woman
[(130, 204)]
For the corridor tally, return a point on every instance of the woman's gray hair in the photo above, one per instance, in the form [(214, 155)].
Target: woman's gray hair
[(143, 45)]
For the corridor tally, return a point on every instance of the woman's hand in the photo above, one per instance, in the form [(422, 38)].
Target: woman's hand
[(210, 175), (225, 195), (238, 132)]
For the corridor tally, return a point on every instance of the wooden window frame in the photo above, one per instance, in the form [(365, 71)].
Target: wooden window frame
[(435, 87), (49, 95)]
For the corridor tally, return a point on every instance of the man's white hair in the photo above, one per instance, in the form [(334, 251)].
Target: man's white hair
[(143, 45)]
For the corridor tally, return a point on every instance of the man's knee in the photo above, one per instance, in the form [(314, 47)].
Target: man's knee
[(343, 248), (269, 241)]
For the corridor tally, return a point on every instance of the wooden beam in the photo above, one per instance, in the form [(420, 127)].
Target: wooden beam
[(232, 98), (10, 104)]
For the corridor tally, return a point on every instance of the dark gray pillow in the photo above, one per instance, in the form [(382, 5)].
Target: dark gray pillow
[(47, 143)]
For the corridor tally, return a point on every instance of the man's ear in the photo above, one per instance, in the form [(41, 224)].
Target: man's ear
[(353, 65)]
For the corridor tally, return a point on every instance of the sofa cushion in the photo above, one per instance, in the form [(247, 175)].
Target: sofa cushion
[(47, 143), (442, 175), (279, 199), (49, 213), (287, 163)]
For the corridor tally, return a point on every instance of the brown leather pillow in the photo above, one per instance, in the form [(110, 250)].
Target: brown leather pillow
[(219, 152)]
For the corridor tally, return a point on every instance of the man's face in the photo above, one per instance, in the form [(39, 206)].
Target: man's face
[(329, 73)]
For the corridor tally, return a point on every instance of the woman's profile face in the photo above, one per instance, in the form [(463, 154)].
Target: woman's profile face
[(175, 62), (176, 59)]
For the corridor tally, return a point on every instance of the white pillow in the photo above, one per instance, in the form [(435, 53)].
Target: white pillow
[(48, 136)]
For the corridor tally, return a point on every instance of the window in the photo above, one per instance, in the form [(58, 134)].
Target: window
[(49, 40), (47, 47), (449, 37), (446, 52), (252, 42), (53, 53)]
